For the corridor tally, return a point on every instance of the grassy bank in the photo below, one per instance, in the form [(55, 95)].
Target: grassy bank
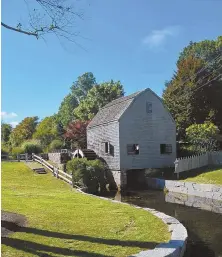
[(207, 175), (63, 222)]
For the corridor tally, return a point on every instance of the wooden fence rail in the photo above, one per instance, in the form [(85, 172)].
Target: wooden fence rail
[(198, 161), (56, 172)]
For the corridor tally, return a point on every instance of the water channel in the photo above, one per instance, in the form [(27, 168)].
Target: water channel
[(204, 227)]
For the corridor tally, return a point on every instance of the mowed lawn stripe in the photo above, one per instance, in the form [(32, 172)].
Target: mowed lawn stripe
[(64, 222)]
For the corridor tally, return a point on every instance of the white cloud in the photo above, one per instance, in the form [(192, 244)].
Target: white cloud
[(8, 115), (14, 123), (157, 38)]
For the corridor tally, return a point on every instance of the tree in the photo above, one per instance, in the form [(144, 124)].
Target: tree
[(56, 17), (83, 84), (97, 97), (76, 134), (6, 130), (202, 136), (46, 131), (194, 92), (23, 131), (65, 113), (79, 90), (206, 49)]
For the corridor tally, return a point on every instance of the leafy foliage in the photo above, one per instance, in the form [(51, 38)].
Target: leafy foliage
[(83, 84), (65, 113), (88, 174), (76, 134), (56, 144), (23, 131), (98, 97), (46, 131), (194, 93), (206, 49), (79, 91), (4, 148), (16, 151), (32, 146), (6, 130), (202, 136)]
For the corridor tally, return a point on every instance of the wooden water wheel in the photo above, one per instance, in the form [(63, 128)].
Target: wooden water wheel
[(85, 153)]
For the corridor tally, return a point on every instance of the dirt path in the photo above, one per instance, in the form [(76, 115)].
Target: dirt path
[(11, 222)]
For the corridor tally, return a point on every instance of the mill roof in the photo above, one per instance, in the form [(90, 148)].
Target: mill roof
[(113, 110)]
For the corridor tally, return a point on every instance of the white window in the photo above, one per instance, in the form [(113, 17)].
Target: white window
[(149, 107)]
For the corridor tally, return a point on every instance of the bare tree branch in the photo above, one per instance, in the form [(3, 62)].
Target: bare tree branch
[(19, 30), (45, 17)]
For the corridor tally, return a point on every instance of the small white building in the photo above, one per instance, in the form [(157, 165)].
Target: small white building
[(133, 132)]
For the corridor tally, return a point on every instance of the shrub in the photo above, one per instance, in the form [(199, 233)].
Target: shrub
[(202, 137), (55, 144), (4, 149), (32, 146), (16, 151), (88, 174)]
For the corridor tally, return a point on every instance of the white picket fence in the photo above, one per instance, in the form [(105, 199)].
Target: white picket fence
[(198, 161)]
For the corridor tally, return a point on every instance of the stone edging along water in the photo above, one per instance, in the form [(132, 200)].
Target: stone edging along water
[(210, 191), (177, 244)]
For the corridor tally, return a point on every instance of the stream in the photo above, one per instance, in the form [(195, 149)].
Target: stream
[(204, 225)]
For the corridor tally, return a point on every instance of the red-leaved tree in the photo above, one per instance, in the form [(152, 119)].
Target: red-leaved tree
[(76, 134)]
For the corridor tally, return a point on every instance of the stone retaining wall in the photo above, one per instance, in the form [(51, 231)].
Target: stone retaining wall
[(55, 157), (175, 247), (191, 188), (195, 201)]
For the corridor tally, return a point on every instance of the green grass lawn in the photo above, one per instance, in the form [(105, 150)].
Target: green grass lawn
[(63, 222), (208, 176)]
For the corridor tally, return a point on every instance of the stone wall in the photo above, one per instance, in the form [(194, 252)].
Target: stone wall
[(191, 188), (195, 201), (175, 247), (55, 157)]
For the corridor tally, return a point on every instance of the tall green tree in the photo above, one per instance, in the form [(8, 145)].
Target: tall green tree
[(206, 49), (46, 131), (65, 114), (6, 130), (97, 97), (194, 92), (23, 131), (82, 85), (79, 91)]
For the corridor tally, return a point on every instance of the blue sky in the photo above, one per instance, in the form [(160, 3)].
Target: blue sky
[(134, 41)]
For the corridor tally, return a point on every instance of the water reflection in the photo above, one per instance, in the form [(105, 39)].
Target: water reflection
[(204, 223)]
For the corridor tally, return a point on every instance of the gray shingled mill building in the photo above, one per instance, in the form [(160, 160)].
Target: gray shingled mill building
[(135, 132)]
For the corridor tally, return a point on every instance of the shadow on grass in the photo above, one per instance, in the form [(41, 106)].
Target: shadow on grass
[(39, 249), (195, 172), (14, 227)]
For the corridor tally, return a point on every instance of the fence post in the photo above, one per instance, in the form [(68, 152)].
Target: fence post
[(53, 171), (26, 157), (18, 157), (57, 172), (176, 168)]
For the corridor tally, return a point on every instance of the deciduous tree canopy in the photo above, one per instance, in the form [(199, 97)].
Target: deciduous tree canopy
[(194, 93), (23, 131), (97, 97)]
